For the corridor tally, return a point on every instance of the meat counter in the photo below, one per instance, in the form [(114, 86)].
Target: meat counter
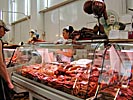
[(9, 59), (89, 75)]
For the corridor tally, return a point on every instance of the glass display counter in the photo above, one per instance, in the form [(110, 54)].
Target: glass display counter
[(8, 53), (96, 67)]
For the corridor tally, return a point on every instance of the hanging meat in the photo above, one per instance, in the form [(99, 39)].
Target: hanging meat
[(96, 7)]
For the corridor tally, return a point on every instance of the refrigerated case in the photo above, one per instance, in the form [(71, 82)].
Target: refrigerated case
[(48, 79), (8, 53)]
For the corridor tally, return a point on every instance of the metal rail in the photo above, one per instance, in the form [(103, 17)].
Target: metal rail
[(41, 89)]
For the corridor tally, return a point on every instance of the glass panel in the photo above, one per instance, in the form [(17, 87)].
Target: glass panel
[(116, 65)]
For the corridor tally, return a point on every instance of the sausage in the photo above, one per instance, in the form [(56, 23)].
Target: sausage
[(88, 7)]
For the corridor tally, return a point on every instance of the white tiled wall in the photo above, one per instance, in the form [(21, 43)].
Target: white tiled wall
[(21, 33), (51, 21)]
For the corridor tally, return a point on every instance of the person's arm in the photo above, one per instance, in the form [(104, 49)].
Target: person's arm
[(32, 39), (69, 53), (3, 71)]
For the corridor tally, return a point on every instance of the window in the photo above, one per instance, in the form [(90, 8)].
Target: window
[(27, 7), (17, 11), (12, 8)]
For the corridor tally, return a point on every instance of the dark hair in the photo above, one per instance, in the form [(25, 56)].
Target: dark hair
[(37, 36), (70, 29), (65, 30), (32, 32)]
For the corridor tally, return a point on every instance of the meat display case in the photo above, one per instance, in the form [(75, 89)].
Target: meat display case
[(8, 53), (83, 83)]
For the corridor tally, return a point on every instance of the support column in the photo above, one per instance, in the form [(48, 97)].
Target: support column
[(33, 20)]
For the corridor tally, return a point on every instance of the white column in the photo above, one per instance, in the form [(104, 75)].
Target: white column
[(33, 21), (4, 16), (4, 7), (36, 21), (40, 22)]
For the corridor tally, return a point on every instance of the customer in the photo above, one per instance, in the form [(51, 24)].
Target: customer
[(34, 37), (66, 55), (5, 82)]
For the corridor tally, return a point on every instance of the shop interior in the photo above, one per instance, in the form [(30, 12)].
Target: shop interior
[(94, 62)]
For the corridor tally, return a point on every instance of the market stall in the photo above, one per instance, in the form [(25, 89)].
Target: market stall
[(80, 79)]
